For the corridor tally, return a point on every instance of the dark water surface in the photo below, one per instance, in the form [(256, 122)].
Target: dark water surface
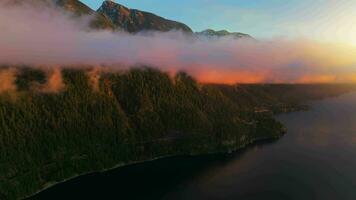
[(315, 160)]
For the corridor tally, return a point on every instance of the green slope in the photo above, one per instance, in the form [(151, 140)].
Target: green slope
[(139, 115)]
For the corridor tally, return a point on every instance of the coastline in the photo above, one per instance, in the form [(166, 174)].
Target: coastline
[(302, 108), (261, 124), (117, 166)]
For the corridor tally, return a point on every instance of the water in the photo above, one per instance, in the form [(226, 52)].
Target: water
[(315, 160)]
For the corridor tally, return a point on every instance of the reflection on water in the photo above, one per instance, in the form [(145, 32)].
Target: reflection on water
[(315, 160)]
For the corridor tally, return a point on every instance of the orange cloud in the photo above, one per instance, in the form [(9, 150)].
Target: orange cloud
[(7, 80)]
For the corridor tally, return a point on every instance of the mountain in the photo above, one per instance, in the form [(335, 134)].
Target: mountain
[(210, 33), (75, 7), (80, 9), (133, 21), (102, 119), (114, 16)]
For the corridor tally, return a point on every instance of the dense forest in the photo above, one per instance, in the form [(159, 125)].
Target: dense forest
[(96, 122)]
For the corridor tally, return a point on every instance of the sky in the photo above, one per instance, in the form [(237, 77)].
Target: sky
[(324, 20)]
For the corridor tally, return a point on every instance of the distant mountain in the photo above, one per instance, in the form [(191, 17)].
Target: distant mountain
[(133, 21), (222, 33)]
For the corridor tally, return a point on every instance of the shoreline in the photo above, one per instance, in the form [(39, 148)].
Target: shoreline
[(304, 108), (252, 142), (231, 151)]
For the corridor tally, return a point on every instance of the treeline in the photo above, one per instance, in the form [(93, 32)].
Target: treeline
[(126, 117), (279, 98)]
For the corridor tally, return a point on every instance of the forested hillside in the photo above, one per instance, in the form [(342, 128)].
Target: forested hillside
[(98, 120)]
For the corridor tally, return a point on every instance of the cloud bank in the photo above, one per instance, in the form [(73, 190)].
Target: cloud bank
[(44, 36)]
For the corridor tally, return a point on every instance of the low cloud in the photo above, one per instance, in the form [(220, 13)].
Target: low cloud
[(54, 82), (7, 80), (94, 78), (43, 36)]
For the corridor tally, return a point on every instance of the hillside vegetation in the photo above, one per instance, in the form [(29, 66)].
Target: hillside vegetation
[(89, 125)]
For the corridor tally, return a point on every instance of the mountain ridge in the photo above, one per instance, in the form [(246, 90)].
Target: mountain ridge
[(73, 7), (99, 22), (210, 33), (133, 20), (116, 17)]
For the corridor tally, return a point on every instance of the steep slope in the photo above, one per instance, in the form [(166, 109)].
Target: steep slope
[(133, 116), (80, 9), (75, 7), (134, 21), (101, 120), (222, 33)]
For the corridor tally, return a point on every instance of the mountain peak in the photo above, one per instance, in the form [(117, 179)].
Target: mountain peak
[(133, 20), (115, 8), (78, 8), (111, 4)]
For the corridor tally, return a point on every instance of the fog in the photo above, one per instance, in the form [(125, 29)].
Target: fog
[(44, 36)]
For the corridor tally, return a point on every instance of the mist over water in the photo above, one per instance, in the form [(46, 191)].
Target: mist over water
[(315, 160), (44, 36)]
